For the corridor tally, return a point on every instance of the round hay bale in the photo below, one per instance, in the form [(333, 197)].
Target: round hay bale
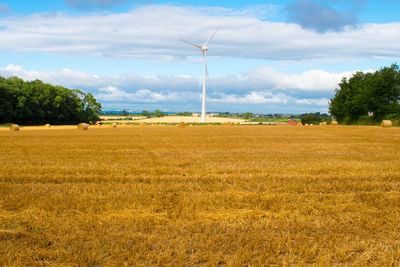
[(334, 123), (306, 124), (83, 126), (47, 125), (114, 125), (386, 123), (182, 124), (323, 123), (14, 127)]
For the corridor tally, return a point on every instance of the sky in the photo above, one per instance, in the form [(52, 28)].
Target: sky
[(267, 56)]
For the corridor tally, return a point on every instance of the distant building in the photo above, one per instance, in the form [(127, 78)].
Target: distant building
[(292, 122)]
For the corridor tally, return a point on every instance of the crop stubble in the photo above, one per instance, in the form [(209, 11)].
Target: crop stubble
[(202, 195)]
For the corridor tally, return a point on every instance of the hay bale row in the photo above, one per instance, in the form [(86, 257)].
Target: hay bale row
[(14, 127), (386, 123), (83, 126)]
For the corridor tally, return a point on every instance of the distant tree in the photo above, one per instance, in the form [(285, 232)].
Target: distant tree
[(36, 103), (377, 92), (7, 102), (124, 113), (311, 118), (146, 113), (185, 113), (247, 115), (158, 113), (90, 108)]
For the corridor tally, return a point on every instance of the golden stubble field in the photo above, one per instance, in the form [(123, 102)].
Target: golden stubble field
[(202, 195)]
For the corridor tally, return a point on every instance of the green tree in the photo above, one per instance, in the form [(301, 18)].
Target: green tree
[(247, 115), (158, 113), (377, 92), (36, 103), (146, 113), (311, 118), (90, 108), (185, 113), (6, 102)]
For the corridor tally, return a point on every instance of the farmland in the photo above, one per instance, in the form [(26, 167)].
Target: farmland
[(201, 195)]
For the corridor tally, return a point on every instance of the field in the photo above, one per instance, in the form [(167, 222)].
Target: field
[(201, 195), (188, 119), (167, 119)]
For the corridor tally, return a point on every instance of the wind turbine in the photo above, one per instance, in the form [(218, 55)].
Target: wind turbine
[(203, 49)]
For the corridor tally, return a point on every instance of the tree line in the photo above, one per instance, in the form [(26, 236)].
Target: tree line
[(314, 118), (368, 96), (35, 102)]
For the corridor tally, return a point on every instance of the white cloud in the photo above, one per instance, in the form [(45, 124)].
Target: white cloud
[(323, 102), (153, 32), (264, 87), (114, 94), (251, 98), (261, 79), (312, 80)]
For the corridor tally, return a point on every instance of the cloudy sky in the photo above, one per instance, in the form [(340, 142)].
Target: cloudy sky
[(268, 56)]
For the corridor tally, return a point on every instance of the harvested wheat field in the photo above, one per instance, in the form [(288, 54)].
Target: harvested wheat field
[(204, 195)]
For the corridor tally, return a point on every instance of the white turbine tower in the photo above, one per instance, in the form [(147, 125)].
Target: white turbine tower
[(204, 49)]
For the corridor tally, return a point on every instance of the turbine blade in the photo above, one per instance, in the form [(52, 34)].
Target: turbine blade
[(209, 39), (190, 43)]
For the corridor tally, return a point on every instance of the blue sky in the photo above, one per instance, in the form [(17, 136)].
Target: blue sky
[(267, 56)]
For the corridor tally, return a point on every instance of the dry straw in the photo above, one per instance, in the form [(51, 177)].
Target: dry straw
[(228, 123), (334, 123), (182, 124), (386, 123), (83, 126), (14, 127)]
